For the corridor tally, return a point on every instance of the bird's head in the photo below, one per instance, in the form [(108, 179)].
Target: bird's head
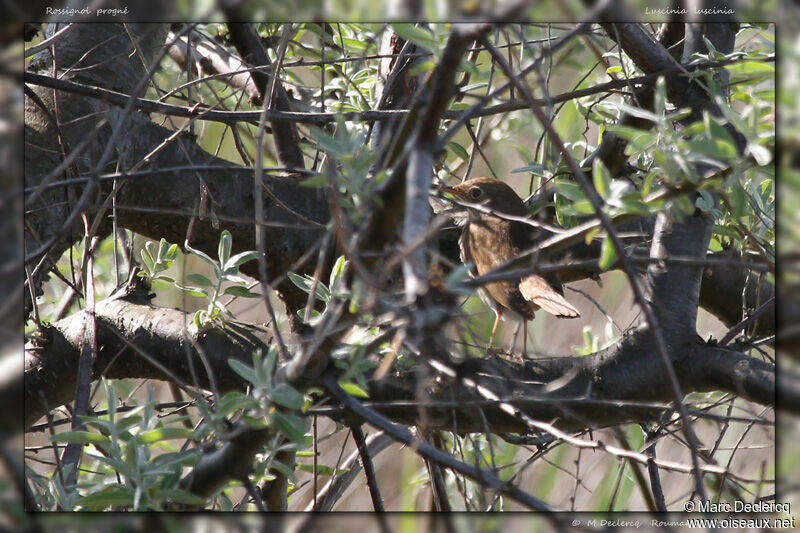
[(491, 194)]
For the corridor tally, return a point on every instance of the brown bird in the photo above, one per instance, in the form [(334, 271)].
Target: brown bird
[(489, 240)]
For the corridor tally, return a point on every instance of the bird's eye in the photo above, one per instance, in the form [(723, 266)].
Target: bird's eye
[(475, 193)]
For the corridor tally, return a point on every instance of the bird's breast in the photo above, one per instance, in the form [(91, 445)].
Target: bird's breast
[(487, 244)]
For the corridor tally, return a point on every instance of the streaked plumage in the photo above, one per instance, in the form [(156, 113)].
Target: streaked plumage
[(488, 241)]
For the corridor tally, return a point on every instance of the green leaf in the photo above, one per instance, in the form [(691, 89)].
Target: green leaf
[(716, 147), (150, 246), (205, 257), (199, 279), (239, 259), (245, 371), (322, 470), (601, 177), (608, 254), (224, 249), (752, 70), (81, 437), (305, 283), (569, 189), (328, 144), (108, 496), (236, 401), (159, 434), (238, 290), (172, 252), (416, 35), (149, 262), (459, 150), (291, 425), (117, 464), (163, 247), (534, 168), (353, 390), (738, 200), (287, 396), (193, 291), (640, 140), (660, 96)]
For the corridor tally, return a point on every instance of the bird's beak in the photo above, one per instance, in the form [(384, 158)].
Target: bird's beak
[(450, 190)]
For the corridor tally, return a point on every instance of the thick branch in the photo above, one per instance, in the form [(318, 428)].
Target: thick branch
[(51, 363), (248, 44), (616, 385)]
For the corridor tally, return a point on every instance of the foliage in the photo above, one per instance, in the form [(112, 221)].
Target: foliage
[(226, 269), (132, 462)]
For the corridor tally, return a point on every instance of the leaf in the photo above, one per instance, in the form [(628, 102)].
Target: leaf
[(608, 254), (108, 496), (291, 425), (172, 252), (199, 279), (716, 147), (639, 113), (81, 437), (328, 144), (239, 290), (660, 96), (337, 271), (761, 154), (224, 249), (235, 401), (587, 239), (239, 259), (287, 396), (150, 246), (353, 390), (534, 168), (300, 281), (640, 140), (163, 248), (205, 257), (738, 200), (305, 283), (148, 261), (193, 291), (322, 470), (601, 177), (117, 464), (246, 372), (569, 189), (159, 434), (752, 70), (415, 35), (459, 150), (705, 201)]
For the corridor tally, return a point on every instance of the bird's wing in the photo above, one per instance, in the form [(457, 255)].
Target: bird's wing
[(538, 291)]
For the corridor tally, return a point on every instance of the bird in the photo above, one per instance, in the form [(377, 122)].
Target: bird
[(493, 234)]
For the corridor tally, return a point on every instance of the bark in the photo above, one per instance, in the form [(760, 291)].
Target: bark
[(608, 387)]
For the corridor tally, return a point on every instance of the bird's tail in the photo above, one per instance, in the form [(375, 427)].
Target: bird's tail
[(539, 292)]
